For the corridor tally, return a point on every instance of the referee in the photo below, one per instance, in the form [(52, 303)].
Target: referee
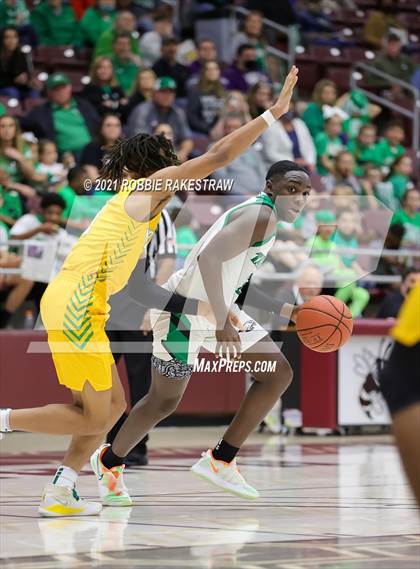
[(129, 322)]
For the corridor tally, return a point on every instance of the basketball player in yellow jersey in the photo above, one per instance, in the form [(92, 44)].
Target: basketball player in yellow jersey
[(400, 384), (74, 307)]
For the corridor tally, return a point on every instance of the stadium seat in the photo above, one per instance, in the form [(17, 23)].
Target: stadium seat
[(76, 80), (340, 76), (13, 106)]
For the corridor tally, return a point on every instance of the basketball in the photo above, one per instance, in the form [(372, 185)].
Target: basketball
[(324, 323)]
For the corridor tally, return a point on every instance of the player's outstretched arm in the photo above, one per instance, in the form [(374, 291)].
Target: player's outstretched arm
[(232, 145)]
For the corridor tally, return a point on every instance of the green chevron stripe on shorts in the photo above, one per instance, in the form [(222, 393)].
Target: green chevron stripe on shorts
[(178, 338), (77, 325)]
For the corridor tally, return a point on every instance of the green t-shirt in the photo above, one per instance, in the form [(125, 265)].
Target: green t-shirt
[(104, 44), (71, 132), (185, 236), (411, 225), (11, 203), (9, 14), (84, 206), (326, 146), (94, 23), (2, 110), (68, 195), (125, 73), (326, 256), (388, 153), (364, 155), (56, 28), (10, 166), (400, 185), (314, 119), (344, 241)]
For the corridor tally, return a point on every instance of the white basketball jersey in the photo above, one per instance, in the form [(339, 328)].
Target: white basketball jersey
[(236, 272)]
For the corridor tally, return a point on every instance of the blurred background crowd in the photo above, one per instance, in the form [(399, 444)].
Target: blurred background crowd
[(76, 76)]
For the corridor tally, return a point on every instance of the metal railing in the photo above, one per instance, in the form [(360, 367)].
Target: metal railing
[(413, 114)]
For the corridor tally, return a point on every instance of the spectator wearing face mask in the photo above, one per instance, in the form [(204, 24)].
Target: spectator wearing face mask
[(245, 71), (167, 65)]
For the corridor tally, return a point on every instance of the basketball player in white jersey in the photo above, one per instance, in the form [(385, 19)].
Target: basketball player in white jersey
[(218, 271)]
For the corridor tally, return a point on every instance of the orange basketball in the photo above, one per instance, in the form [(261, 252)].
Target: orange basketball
[(324, 323)]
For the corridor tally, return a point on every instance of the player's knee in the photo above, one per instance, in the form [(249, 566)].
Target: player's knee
[(95, 425), (118, 407), (167, 405)]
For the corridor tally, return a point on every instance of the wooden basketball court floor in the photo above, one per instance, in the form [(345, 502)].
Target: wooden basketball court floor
[(330, 503)]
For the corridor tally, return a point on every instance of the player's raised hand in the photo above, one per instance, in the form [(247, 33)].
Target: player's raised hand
[(281, 106)]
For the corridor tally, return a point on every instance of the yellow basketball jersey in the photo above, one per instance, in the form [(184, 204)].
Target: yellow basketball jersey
[(407, 329), (111, 246)]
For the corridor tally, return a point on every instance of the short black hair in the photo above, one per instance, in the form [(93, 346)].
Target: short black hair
[(52, 199), (408, 271), (170, 40), (119, 35), (282, 167), (243, 47), (74, 173), (397, 229)]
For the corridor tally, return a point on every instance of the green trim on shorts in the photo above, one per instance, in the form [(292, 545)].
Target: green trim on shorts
[(178, 334)]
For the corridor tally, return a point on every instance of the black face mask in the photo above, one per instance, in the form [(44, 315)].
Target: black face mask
[(251, 66), (289, 116)]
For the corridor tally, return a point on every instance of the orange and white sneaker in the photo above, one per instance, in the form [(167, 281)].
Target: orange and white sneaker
[(225, 475), (112, 490), (62, 501)]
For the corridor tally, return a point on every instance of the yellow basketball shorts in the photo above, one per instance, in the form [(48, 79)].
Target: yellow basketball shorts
[(74, 312)]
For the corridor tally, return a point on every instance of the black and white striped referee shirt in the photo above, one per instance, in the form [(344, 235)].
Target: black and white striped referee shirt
[(163, 244)]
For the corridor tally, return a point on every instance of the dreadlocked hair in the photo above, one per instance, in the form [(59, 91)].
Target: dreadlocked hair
[(142, 153)]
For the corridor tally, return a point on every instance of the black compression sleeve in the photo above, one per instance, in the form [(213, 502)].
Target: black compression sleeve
[(144, 290)]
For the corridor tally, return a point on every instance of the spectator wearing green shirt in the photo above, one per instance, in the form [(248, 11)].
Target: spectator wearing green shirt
[(409, 217), (15, 155), (364, 149), (324, 241), (125, 22), (80, 207), (55, 24), (390, 146), (70, 121), (400, 177), (329, 144), (13, 196), (96, 20), (359, 110), (325, 93), (15, 13), (126, 65)]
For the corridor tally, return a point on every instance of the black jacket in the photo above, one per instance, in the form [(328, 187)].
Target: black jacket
[(40, 119), (96, 96)]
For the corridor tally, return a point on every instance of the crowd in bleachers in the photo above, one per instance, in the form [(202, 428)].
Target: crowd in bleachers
[(76, 76)]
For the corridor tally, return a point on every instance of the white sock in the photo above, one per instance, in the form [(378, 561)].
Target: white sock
[(65, 476), (4, 421)]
